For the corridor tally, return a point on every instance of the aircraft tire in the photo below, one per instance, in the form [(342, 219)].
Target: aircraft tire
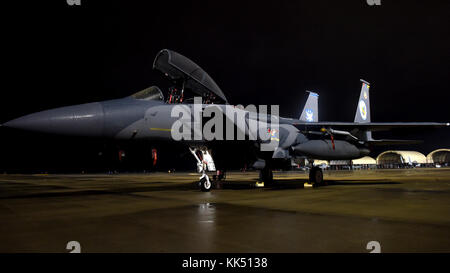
[(205, 185), (266, 176), (316, 175)]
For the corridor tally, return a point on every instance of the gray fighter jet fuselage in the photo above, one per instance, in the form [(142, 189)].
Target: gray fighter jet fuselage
[(148, 115)]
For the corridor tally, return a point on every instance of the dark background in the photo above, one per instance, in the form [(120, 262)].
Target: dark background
[(258, 52)]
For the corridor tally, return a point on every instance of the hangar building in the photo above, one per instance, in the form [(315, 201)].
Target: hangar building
[(360, 163), (364, 162), (439, 156), (398, 158), (322, 163), (390, 159)]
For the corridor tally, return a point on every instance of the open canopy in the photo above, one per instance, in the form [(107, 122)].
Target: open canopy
[(178, 67)]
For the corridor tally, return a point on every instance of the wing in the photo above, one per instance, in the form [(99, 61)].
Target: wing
[(370, 126)]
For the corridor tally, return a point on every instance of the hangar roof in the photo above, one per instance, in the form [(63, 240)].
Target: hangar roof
[(401, 157), (364, 160)]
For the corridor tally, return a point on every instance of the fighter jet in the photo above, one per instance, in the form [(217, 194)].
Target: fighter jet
[(148, 114)]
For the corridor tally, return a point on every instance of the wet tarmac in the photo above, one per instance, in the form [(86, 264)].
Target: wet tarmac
[(404, 210)]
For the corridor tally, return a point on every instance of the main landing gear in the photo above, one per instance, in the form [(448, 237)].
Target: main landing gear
[(266, 176), (204, 163), (316, 176)]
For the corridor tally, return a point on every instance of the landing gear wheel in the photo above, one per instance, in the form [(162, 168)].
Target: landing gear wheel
[(316, 175), (205, 184), (266, 176)]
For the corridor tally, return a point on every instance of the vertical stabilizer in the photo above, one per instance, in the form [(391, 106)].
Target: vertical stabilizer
[(363, 110), (310, 112), (362, 114)]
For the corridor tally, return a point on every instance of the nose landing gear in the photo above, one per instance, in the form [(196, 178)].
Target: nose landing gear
[(204, 163), (204, 184)]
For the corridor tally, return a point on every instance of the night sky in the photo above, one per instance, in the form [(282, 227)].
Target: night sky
[(258, 52)]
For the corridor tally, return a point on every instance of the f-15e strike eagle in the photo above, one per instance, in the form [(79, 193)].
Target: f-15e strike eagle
[(147, 115)]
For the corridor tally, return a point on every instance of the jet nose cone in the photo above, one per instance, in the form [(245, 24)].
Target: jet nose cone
[(76, 120)]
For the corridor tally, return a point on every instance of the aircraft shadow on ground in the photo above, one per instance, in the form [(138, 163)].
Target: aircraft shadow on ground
[(284, 184)]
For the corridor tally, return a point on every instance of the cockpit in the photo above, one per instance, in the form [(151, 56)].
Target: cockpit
[(187, 78), (151, 93)]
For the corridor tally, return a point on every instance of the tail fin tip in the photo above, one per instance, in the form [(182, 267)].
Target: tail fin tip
[(310, 112)]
